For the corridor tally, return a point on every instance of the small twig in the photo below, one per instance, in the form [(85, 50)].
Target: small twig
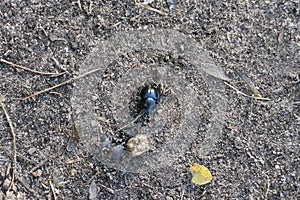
[(57, 64), (147, 185), (103, 120), (49, 89), (56, 93), (125, 126), (107, 188), (79, 5), (25, 158), (14, 153), (267, 190), (44, 161), (239, 92), (147, 7), (213, 156), (90, 8), (181, 198), (116, 24), (52, 189), (69, 162), (31, 70), (63, 83)]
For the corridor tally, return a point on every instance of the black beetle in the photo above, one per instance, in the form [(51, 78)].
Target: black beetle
[(151, 95)]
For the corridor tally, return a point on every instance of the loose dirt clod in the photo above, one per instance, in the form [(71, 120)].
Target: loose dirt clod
[(138, 144)]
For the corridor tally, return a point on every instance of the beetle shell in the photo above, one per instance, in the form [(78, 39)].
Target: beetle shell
[(152, 93), (151, 96)]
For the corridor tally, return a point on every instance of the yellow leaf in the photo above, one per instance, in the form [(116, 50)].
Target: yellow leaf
[(201, 175)]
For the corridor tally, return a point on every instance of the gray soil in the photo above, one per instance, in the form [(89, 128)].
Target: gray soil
[(255, 156)]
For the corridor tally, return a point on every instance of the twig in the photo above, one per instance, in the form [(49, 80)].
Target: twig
[(296, 102), (213, 156), (90, 8), (267, 190), (49, 89), (52, 189), (103, 120), (239, 92), (57, 64), (69, 162), (63, 83), (147, 185), (44, 161), (107, 188), (116, 24), (150, 8), (25, 158), (30, 70), (131, 122), (14, 153), (79, 4), (181, 197)]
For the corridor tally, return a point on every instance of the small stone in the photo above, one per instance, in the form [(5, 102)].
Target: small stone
[(148, 1), (94, 97), (58, 177), (138, 145), (37, 173), (127, 12), (73, 172), (9, 195), (93, 191), (20, 195), (1, 195), (2, 98), (70, 145), (31, 150), (6, 184)]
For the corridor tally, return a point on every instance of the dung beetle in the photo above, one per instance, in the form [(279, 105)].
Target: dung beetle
[(151, 95)]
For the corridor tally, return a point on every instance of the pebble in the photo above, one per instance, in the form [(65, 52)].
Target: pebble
[(37, 173), (31, 150), (93, 191), (6, 184), (138, 145)]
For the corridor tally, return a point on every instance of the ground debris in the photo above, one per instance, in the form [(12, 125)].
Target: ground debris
[(250, 85), (93, 191), (260, 38)]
